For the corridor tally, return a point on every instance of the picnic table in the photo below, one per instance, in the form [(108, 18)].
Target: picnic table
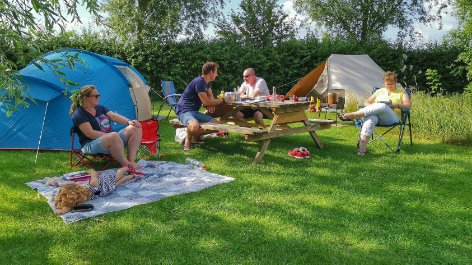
[(283, 115)]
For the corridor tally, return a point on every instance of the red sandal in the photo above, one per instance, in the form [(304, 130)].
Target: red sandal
[(132, 170)]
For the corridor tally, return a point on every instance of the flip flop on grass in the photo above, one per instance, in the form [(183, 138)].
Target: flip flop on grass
[(185, 148)]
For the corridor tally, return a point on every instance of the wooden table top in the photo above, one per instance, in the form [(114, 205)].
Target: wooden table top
[(286, 106)]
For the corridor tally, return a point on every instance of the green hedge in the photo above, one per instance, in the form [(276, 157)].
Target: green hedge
[(281, 66)]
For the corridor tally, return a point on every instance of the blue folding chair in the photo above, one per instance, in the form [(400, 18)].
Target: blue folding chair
[(169, 98), (402, 124)]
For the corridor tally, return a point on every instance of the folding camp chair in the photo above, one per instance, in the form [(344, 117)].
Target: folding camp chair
[(402, 124), (151, 140), (170, 98), (83, 158)]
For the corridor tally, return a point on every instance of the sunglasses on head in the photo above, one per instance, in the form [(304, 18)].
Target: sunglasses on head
[(96, 96)]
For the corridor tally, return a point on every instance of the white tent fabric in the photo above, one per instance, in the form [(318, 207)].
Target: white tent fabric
[(354, 75)]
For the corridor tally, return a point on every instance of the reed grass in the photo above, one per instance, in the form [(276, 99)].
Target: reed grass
[(444, 118), (447, 118), (353, 101)]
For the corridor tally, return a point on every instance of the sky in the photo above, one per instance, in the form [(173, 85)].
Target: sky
[(429, 32)]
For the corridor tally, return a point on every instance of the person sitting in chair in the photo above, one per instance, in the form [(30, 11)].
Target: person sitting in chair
[(92, 123), (382, 108), (252, 87), (198, 93)]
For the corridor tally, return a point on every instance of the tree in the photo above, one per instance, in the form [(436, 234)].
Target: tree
[(20, 24), (366, 20), (260, 24), (143, 20), (462, 37)]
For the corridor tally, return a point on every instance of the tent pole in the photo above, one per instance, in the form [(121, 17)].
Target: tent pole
[(42, 129)]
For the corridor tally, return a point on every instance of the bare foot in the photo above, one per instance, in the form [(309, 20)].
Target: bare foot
[(349, 116), (60, 212), (135, 165)]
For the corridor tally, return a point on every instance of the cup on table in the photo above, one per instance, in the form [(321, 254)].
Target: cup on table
[(237, 97), (292, 97)]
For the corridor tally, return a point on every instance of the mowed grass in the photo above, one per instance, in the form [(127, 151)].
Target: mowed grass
[(334, 208)]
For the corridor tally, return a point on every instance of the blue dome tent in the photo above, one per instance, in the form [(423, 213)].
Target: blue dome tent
[(46, 124)]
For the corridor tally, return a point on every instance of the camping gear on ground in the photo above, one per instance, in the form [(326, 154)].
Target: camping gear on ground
[(354, 74), (162, 179), (46, 123), (169, 97), (402, 124), (151, 140)]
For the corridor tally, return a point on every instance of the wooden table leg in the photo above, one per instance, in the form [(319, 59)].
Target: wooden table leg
[(231, 113), (317, 140), (266, 142), (314, 136), (262, 150)]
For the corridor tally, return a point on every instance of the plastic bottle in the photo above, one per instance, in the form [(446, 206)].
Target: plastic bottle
[(194, 163), (274, 94)]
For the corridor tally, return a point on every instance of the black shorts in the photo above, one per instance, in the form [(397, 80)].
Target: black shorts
[(249, 113)]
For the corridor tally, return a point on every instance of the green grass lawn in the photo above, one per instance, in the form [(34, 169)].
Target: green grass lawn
[(334, 208)]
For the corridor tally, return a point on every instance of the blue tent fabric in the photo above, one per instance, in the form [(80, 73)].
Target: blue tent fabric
[(23, 128)]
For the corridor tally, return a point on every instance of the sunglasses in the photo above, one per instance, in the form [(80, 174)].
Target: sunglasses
[(96, 96), (246, 76)]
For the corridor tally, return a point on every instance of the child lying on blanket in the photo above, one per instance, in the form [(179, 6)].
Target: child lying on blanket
[(74, 194)]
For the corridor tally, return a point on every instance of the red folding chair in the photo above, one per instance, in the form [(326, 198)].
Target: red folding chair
[(83, 158), (151, 141)]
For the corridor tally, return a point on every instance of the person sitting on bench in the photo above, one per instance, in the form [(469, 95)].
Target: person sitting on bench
[(198, 93), (252, 87)]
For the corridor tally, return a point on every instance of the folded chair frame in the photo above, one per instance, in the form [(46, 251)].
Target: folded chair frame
[(151, 139)]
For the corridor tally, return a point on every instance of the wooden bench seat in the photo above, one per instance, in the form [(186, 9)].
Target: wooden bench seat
[(222, 127), (321, 122)]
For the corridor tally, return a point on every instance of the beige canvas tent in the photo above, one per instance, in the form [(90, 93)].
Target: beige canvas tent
[(351, 74)]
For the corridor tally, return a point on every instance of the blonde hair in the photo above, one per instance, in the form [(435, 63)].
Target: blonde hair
[(71, 195), (389, 75), (79, 96)]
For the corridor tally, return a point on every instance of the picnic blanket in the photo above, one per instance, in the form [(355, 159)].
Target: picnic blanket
[(162, 179)]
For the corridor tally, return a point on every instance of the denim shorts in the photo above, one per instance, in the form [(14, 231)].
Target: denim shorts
[(189, 116), (96, 147)]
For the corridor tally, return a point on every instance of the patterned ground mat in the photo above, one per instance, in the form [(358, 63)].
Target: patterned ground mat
[(162, 179)]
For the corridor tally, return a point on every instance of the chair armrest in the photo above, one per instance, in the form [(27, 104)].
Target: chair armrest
[(174, 95), (405, 115)]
